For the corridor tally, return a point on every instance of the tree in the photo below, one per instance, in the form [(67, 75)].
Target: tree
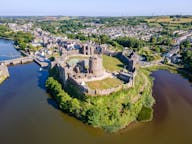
[(74, 106), (185, 44), (130, 42), (167, 42), (187, 59), (157, 49), (104, 39), (159, 40), (22, 45), (52, 58), (153, 40), (23, 39)]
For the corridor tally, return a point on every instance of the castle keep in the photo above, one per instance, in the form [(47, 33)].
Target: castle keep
[(96, 66)]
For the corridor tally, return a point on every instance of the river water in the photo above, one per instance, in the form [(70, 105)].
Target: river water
[(7, 51), (29, 116)]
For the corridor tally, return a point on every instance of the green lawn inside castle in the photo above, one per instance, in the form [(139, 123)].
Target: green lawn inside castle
[(110, 112)]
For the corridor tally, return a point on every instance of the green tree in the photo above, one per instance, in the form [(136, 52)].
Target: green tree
[(157, 49), (153, 40), (75, 106), (104, 39), (187, 59), (130, 42)]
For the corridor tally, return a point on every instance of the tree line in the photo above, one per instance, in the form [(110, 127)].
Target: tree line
[(22, 39), (186, 52)]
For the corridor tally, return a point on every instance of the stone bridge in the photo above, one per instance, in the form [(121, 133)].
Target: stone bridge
[(17, 61)]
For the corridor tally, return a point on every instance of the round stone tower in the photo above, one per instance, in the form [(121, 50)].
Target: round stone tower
[(96, 66)]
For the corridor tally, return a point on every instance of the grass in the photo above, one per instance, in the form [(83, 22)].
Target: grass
[(125, 98), (142, 83), (146, 114), (147, 52), (170, 20), (77, 57), (2, 79), (172, 69), (162, 67), (104, 84), (112, 64)]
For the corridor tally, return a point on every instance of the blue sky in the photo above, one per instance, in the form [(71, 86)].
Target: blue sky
[(95, 7)]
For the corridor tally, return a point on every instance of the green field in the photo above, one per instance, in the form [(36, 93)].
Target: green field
[(169, 20), (104, 84), (79, 57), (73, 60), (112, 64)]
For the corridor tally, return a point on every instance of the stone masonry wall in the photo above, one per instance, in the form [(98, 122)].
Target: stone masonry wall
[(91, 92)]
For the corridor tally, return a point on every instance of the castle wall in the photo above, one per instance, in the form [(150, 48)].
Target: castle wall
[(88, 50), (66, 53), (63, 76), (130, 63), (105, 92), (91, 92), (95, 70)]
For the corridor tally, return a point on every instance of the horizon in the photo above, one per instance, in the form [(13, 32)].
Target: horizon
[(95, 15), (99, 8)]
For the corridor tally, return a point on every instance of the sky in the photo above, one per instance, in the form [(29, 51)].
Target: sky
[(95, 7)]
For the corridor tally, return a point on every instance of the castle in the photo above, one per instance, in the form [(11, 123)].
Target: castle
[(80, 63), (86, 65)]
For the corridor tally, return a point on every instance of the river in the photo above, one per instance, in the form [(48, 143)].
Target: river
[(7, 51), (28, 115)]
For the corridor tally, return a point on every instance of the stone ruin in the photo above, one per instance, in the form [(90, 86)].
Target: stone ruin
[(80, 70), (130, 58), (96, 66), (86, 64)]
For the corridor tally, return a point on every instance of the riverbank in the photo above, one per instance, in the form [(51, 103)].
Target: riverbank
[(2, 79), (111, 113), (4, 73), (5, 38), (15, 46), (26, 56), (173, 69)]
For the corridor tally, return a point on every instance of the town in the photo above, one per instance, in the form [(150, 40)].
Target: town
[(94, 63), (141, 31), (47, 45)]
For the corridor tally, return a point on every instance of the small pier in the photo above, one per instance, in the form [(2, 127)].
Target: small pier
[(41, 63)]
